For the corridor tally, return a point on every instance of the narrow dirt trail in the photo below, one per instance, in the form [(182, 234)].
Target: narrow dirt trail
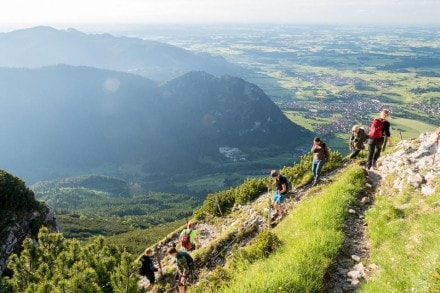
[(348, 270)]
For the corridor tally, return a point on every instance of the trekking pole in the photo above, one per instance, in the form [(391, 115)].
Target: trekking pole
[(433, 157), (269, 206), (400, 132), (384, 144), (218, 205)]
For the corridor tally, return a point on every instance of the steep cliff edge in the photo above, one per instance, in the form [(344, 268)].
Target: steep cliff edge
[(21, 216)]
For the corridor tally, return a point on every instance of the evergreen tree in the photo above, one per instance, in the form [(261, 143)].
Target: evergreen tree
[(61, 265), (125, 279), (24, 266)]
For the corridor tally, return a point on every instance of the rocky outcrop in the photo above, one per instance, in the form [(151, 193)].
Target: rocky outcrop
[(21, 216), (415, 162)]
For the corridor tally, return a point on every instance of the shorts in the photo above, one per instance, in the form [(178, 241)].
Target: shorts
[(278, 198)]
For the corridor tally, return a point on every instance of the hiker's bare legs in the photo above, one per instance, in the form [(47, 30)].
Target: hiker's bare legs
[(182, 283)]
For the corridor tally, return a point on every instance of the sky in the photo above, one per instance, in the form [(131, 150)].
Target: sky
[(26, 13)]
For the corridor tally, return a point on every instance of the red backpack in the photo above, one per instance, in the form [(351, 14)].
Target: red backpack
[(186, 241), (376, 128)]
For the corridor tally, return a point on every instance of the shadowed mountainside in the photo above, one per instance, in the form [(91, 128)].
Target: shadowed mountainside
[(61, 121)]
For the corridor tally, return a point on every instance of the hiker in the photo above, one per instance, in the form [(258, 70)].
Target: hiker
[(320, 154), (379, 134), (188, 237), (185, 267), (147, 268), (357, 139), (281, 183)]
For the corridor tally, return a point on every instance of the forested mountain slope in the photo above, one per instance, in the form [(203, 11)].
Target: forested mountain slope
[(61, 121)]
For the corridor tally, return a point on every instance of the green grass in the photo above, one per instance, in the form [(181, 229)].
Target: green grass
[(209, 182), (311, 237), (339, 143), (136, 241), (299, 119), (410, 128), (404, 230)]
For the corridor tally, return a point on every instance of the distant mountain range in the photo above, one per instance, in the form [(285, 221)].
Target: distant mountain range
[(45, 46), (62, 121)]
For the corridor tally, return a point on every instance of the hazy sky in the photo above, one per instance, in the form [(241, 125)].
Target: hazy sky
[(22, 13)]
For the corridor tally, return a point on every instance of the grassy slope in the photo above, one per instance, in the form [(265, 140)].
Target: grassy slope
[(136, 241), (404, 229), (311, 237)]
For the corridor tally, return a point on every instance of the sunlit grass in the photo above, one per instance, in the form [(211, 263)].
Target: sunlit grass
[(410, 128), (299, 119), (404, 230), (311, 237)]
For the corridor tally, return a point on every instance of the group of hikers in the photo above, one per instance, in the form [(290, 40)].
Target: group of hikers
[(182, 258), (377, 138)]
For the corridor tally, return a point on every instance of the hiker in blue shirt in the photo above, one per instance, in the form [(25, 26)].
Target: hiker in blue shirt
[(281, 183)]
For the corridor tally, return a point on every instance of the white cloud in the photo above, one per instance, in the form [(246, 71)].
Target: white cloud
[(43, 12)]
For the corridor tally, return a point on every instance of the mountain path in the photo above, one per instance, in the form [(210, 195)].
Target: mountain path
[(348, 270), (337, 278)]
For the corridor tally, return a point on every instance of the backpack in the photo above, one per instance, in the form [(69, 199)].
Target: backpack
[(362, 135), (376, 128), (361, 139), (324, 147), (288, 183), (189, 259), (186, 240)]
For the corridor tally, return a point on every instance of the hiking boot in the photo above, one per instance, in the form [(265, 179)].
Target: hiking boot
[(374, 166)]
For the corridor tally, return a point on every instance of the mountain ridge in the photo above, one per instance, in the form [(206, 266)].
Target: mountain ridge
[(46, 46)]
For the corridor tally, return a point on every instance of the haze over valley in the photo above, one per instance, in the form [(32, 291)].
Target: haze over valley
[(151, 101), (123, 121)]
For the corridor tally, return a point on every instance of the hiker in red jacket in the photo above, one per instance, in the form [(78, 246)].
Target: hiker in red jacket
[(378, 133)]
